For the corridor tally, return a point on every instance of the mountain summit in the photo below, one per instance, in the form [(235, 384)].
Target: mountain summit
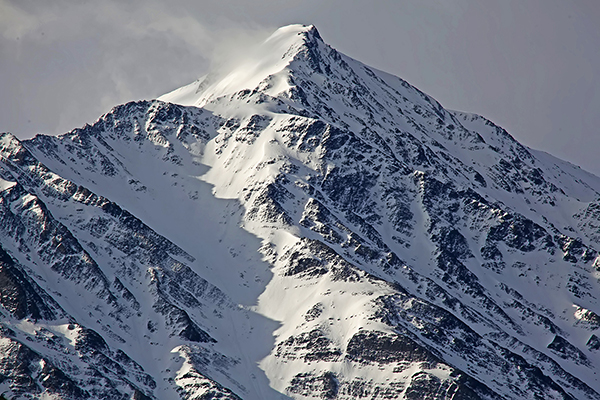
[(271, 61), (298, 226)]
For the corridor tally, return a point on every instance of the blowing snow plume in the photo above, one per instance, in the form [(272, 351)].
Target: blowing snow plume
[(54, 55)]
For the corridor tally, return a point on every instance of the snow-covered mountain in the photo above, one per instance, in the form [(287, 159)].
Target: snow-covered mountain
[(301, 226)]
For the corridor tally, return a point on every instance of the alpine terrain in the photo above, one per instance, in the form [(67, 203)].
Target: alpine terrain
[(302, 226)]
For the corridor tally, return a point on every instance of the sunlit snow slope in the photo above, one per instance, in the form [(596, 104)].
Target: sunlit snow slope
[(300, 226)]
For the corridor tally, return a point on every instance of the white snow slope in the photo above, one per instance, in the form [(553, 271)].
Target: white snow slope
[(301, 226)]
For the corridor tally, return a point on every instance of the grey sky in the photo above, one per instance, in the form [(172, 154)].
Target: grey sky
[(529, 65)]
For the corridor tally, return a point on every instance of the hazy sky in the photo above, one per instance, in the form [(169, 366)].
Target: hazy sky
[(529, 65)]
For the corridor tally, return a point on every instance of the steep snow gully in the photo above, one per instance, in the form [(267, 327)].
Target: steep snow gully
[(301, 226)]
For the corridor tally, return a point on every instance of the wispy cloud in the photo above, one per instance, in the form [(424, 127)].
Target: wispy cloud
[(64, 63)]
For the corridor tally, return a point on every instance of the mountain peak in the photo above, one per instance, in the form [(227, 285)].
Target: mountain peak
[(291, 39), (307, 31), (271, 57)]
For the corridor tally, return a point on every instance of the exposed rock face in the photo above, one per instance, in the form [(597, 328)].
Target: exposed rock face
[(315, 229)]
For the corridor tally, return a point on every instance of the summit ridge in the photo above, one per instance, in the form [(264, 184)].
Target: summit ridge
[(268, 59)]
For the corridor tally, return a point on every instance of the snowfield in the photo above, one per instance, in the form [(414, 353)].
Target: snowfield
[(300, 226)]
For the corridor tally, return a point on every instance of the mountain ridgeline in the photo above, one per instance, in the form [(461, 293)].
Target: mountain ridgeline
[(302, 226)]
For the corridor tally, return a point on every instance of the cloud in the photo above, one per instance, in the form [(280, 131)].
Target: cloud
[(65, 63)]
